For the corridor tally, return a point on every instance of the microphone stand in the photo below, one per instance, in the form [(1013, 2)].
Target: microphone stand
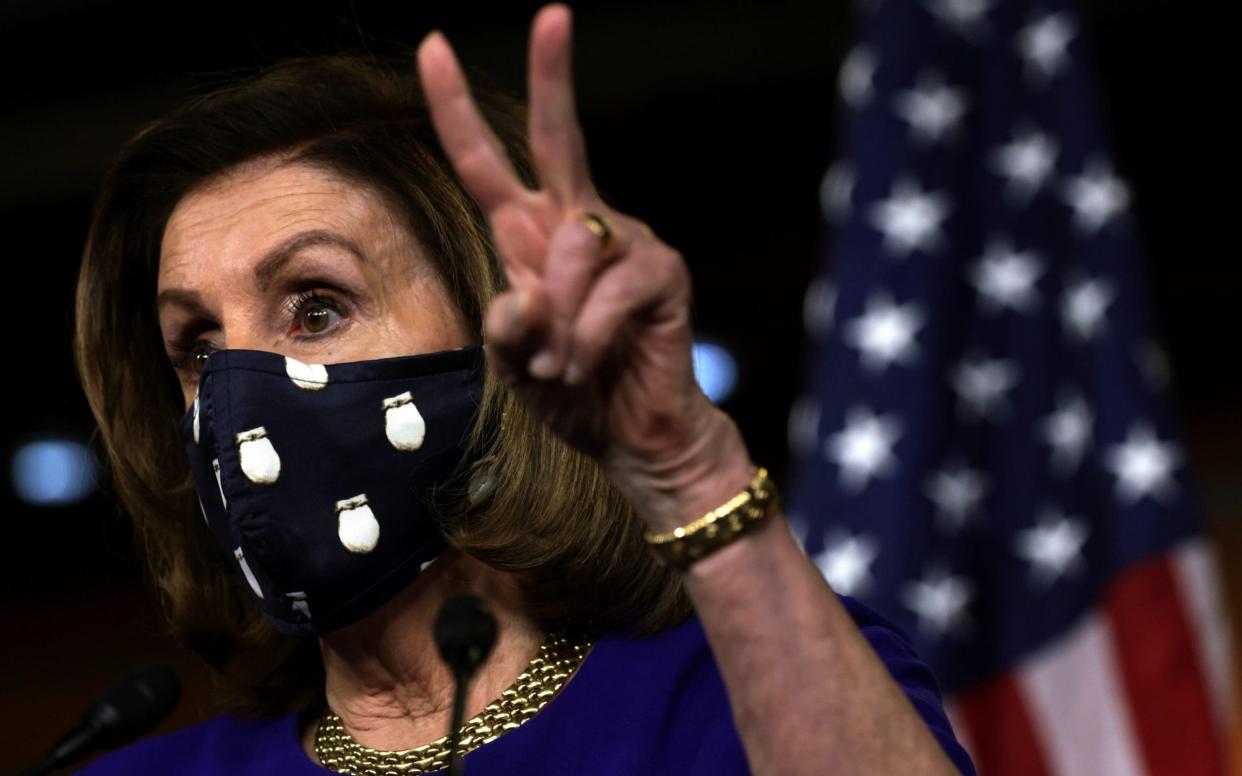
[(131, 707), (464, 633), (459, 706)]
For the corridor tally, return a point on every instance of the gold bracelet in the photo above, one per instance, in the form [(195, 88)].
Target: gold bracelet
[(682, 546)]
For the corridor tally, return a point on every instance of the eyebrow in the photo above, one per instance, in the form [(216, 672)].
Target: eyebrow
[(274, 261), (269, 266)]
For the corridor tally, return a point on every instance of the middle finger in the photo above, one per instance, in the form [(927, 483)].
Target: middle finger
[(555, 136)]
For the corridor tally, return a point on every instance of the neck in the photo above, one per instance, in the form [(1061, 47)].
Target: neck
[(385, 679)]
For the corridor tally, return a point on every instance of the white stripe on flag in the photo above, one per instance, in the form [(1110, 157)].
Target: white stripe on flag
[(1199, 584), (1076, 700)]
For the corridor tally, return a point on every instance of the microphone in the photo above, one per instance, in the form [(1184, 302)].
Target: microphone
[(135, 704), (465, 633)]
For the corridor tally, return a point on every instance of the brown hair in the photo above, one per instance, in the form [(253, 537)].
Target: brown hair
[(552, 516)]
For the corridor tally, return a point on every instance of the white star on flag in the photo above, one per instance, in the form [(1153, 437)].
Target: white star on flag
[(933, 109), (966, 17), (1097, 196), (1143, 465), (804, 425), (1053, 547), (1026, 163), (836, 192), (939, 600), (819, 306), (910, 218), (990, 461), (856, 79), (1005, 278), (1068, 431), (884, 333), (864, 448), (981, 385), (957, 491), (1044, 45), (846, 562), (1083, 307)]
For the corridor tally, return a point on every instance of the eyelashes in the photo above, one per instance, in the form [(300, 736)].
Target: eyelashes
[(305, 316), (314, 311), (184, 355)]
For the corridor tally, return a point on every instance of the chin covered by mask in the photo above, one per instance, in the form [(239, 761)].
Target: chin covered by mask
[(317, 480)]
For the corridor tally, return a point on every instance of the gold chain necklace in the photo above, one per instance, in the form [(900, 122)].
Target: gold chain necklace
[(543, 678)]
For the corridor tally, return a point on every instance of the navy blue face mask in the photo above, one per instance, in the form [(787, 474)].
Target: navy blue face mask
[(317, 480)]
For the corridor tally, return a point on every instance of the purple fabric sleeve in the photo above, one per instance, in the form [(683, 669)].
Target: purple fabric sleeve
[(912, 675), (654, 705)]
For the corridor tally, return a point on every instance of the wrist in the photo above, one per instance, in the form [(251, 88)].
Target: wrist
[(711, 467), (686, 545)]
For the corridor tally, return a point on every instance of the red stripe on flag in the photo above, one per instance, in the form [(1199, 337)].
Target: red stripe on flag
[(1163, 680), (998, 726)]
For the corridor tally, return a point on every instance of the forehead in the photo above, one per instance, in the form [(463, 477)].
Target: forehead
[(232, 218)]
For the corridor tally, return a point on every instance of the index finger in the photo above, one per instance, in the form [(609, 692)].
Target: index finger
[(470, 144)]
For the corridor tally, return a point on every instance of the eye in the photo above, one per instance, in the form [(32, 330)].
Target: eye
[(317, 319), (314, 313), (198, 357), (190, 357)]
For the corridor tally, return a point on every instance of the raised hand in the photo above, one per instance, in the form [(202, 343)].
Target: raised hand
[(594, 333)]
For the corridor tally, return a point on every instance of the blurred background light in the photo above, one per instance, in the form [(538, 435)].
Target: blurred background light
[(52, 472), (715, 369)]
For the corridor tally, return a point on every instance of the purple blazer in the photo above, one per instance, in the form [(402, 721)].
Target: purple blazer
[(653, 705)]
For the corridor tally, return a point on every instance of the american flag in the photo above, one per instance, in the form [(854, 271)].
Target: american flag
[(984, 452)]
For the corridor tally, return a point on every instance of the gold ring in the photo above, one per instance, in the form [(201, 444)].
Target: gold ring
[(601, 229)]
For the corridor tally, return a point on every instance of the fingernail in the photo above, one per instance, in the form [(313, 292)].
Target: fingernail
[(427, 37), (543, 365)]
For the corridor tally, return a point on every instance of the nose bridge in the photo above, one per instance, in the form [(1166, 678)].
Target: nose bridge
[(238, 312), (241, 325)]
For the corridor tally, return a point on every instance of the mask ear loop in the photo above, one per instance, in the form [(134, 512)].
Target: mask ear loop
[(483, 479), (482, 483)]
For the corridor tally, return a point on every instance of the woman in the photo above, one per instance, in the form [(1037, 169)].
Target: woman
[(299, 249)]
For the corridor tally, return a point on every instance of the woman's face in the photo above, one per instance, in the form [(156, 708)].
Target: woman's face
[(293, 260)]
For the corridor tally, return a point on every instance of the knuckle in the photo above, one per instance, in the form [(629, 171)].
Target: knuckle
[(668, 254), (474, 166), (680, 273), (498, 330), (642, 229), (669, 266)]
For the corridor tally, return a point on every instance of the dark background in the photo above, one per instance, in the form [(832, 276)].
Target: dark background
[(711, 121)]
